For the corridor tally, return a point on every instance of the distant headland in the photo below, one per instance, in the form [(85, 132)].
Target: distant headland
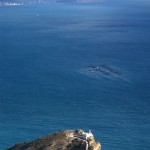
[(28, 2), (62, 140)]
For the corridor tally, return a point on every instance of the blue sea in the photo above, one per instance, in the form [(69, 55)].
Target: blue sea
[(44, 85)]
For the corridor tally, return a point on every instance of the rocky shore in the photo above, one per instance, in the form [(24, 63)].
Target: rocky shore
[(62, 140)]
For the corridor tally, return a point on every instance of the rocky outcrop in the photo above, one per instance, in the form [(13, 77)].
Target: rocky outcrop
[(63, 140)]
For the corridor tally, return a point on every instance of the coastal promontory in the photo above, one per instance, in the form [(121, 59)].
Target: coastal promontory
[(62, 140)]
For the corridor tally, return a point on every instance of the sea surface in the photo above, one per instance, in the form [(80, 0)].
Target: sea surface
[(45, 51)]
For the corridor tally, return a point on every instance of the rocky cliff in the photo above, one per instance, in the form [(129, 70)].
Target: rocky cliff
[(63, 140)]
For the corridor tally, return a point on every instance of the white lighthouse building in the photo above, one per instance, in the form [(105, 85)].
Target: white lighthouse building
[(87, 135)]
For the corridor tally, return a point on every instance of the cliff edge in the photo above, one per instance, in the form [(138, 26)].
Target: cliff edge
[(63, 140)]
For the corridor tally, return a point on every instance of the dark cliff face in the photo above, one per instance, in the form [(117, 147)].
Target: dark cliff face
[(63, 140)]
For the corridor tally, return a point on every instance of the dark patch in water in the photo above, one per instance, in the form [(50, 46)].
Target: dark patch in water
[(102, 70)]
